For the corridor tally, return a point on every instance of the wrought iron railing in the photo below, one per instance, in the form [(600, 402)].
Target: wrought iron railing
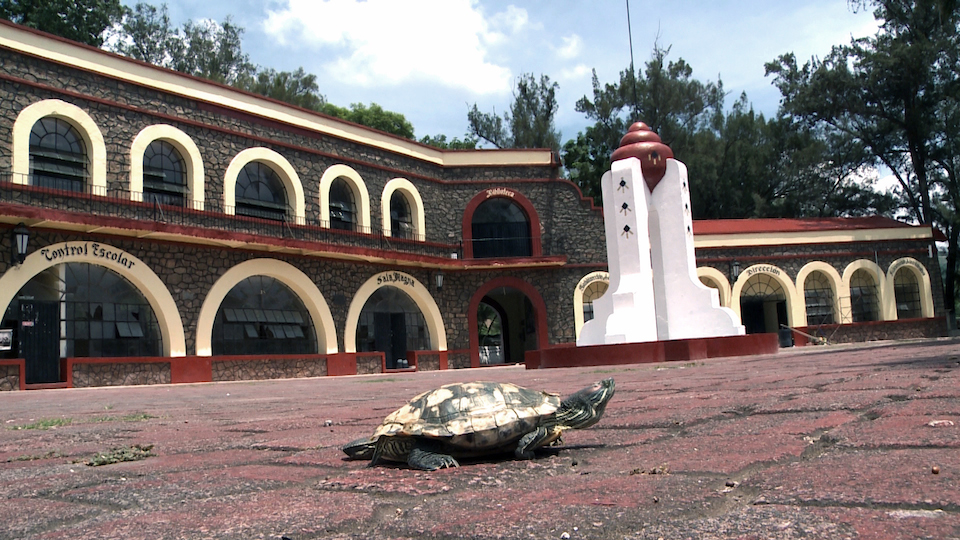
[(214, 215)]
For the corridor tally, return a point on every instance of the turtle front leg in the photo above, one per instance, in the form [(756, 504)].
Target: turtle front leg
[(428, 460), (533, 440)]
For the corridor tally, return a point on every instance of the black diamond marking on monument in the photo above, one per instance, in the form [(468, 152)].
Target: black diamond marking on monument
[(626, 231), (623, 185), (624, 208)]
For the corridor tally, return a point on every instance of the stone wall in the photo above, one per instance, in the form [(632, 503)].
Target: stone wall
[(876, 331), (368, 364), (9, 377), (120, 373), (428, 362), (276, 368)]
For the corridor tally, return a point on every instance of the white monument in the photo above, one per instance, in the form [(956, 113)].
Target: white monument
[(654, 292)]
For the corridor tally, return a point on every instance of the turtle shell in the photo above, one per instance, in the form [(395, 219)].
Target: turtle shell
[(472, 416)]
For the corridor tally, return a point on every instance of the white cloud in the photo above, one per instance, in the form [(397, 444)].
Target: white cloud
[(572, 45), (388, 43)]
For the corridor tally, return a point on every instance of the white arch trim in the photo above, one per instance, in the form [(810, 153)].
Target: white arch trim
[(412, 195), (841, 290), (888, 305), (720, 279), (359, 190), (284, 272), (188, 150), (79, 119), (414, 289), (910, 264), (578, 295), (796, 306), (289, 177), (131, 268)]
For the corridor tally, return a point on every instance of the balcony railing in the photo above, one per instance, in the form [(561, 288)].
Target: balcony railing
[(214, 215)]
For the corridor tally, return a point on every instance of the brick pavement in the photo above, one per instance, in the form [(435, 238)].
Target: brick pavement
[(838, 442)]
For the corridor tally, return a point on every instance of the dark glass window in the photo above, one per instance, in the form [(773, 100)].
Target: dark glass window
[(864, 298), (907, 290), (593, 291), (261, 315), (501, 229), (401, 221), (98, 312), (58, 157), (819, 299), (260, 193), (164, 174), (343, 209), (392, 323)]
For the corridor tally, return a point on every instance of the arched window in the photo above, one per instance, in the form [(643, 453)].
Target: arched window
[(58, 157), (79, 310), (391, 322), (820, 302), (261, 315), (907, 291), (343, 209), (401, 220), (864, 297), (592, 292), (164, 174), (260, 193), (501, 229)]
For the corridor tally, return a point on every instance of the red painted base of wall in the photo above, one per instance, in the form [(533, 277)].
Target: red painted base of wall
[(654, 351)]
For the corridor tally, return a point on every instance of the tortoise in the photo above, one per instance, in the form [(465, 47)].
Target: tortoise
[(477, 419)]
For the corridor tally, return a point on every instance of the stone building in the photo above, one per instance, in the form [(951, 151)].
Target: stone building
[(156, 227)]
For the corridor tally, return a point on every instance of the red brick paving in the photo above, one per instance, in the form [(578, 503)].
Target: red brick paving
[(822, 443)]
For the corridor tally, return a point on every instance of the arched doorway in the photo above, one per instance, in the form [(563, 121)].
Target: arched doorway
[(763, 304), (79, 310), (521, 314), (391, 322)]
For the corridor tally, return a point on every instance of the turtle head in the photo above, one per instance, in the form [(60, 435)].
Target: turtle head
[(360, 449), (584, 408)]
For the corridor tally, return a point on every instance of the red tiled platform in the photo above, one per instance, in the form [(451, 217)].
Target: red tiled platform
[(814, 443), (679, 350)]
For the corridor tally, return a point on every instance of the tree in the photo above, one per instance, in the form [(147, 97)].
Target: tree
[(667, 98), (144, 33), (79, 20), (895, 93), (296, 88), (373, 116), (441, 142), (530, 121)]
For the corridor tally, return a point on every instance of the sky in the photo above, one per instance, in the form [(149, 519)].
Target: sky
[(431, 60)]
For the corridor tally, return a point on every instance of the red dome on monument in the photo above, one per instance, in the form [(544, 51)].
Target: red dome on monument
[(642, 143)]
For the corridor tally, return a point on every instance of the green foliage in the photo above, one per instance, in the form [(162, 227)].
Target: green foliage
[(136, 452), (897, 94), (78, 20), (441, 142), (530, 122), (296, 88), (373, 116), (46, 423)]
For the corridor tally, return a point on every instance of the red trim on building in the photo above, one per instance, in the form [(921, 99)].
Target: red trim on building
[(775, 225), (532, 217), (539, 310)]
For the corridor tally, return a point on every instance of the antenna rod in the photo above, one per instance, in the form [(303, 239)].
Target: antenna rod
[(633, 73)]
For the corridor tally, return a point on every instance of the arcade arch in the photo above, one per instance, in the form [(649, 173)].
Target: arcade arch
[(766, 298), (278, 164), (282, 271), (412, 289), (588, 289), (188, 151), (358, 190), (403, 188)]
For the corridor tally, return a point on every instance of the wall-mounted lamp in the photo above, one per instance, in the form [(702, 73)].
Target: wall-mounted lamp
[(439, 278), (20, 238), (734, 269)]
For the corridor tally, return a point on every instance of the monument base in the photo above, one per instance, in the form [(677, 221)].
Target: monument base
[(652, 351)]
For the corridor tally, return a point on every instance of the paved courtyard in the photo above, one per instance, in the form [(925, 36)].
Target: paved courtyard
[(820, 442)]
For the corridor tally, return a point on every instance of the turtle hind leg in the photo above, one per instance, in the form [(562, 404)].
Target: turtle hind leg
[(427, 459)]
